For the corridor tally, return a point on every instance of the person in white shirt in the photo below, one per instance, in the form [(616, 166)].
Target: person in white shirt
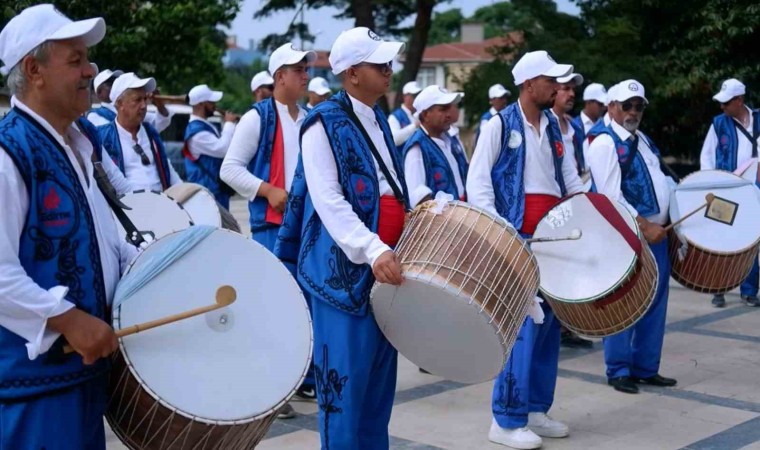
[(402, 121), (739, 130), (626, 167), (60, 254), (594, 106), (345, 214), (262, 86), (134, 144), (102, 87), (520, 177), (498, 97), (205, 147), (319, 91), (433, 160)]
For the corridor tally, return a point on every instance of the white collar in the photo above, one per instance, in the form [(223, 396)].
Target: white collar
[(109, 106), (362, 109), (493, 111), (126, 134), (282, 109), (622, 133), (585, 118), (194, 117)]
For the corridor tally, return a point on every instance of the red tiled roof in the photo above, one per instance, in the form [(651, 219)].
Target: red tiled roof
[(468, 52)]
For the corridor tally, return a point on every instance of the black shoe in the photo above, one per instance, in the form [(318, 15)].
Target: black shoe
[(424, 371), (286, 412), (719, 301), (751, 300), (307, 392), (572, 340), (658, 380), (623, 384)]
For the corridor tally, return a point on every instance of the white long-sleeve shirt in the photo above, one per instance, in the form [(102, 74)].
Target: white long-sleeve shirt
[(360, 245), (416, 176), (743, 151), (158, 121), (25, 307), (245, 144), (539, 175), (207, 143), (401, 135), (483, 123), (587, 122), (139, 175), (602, 160)]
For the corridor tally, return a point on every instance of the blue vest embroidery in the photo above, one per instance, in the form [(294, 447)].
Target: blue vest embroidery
[(109, 136), (439, 175), (205, 169), (728, 140), (261, 162), (105, 113)]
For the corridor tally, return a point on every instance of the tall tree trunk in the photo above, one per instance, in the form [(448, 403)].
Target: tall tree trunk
[(362, 12), (417, 44)]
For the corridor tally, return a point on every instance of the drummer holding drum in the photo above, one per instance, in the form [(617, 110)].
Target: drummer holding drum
[(625, 166)]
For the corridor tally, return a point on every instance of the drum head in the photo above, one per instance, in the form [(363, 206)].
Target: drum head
[(590, 267), (154, 213), (439, 329), (201, 205), (234, 364), (711, 235)]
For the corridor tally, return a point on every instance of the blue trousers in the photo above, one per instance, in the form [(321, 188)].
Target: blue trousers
[(71, 419), (636, 351), (528, 381), (355, 368), (749, 287)]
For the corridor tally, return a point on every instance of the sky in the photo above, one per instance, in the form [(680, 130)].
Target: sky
[(325, 27)]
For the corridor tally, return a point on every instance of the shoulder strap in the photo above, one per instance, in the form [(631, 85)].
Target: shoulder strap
[(752, 138)]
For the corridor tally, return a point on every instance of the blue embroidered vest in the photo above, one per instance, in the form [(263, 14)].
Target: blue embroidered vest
[(636, 182), (508, 171), (728, 140), (58, 246), (578, 137), (109, 136), (486, 116), (205, 169), (261, 162), (439, 175), (104, 112), (323, 270)]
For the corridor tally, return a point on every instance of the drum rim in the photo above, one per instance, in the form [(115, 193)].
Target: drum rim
[(628, 272), (202, 189), (115, 315), (163, 194)]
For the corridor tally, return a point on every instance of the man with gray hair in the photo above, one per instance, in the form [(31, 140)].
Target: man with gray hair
[(60, 253)]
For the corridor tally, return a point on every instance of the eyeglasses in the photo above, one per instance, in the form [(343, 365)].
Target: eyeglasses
[(628, 105), (383, 68), (143, 157)]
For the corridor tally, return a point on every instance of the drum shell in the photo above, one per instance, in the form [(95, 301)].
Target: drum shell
[(698, 269)]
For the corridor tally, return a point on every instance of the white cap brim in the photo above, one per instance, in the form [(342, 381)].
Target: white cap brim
[(628, 96), (216, 96), (321, 91), (91, 30), (385, 52), (723, 96), (295, 58), (559, 70), (578, 78)]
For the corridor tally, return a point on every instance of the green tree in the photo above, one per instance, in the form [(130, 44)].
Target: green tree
[(446, 27)]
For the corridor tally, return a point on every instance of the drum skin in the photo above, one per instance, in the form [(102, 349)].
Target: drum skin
[(202, 207)]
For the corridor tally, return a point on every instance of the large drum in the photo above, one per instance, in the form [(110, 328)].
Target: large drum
[(605, 281), (708, 255), (202, 207), (469, 281), (213, 381), (154, 214)]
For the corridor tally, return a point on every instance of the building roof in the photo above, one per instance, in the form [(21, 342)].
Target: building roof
[(476, 52)]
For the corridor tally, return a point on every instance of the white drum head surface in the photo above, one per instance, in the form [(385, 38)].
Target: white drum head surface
[(154, 212), (588, 268), (201, 206), (233, 364), (438, 330), (710, 234)]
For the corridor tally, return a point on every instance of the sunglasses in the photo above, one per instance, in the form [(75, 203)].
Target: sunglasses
[(628, 105), (143, 157), (383, 68)]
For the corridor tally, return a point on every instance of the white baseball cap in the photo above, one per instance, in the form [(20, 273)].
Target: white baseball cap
[(319, 86), (536, 64), (261, 79), (359, 45), (106, 75), (626, 90), (729, 89), (131, 81), (41, 23), (287, 55), (596, 92), (202, 93), (411, 88), (578, 78), (497, 91), (434, 95)]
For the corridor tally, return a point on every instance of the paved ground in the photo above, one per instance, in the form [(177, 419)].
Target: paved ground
[(713, 353)]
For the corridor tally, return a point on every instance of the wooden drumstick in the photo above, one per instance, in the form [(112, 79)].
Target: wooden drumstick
[(574, 236), (708, 200), (225, 296)]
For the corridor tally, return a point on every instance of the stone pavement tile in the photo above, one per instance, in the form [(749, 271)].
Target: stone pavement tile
[(745, 324), (755, 446), (113, 442), (300, 440)]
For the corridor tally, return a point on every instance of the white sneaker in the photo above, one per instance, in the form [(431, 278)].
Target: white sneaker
[(520, 438), (545, 426)]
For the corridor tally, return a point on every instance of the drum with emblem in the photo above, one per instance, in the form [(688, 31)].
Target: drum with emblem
[(154, 214), (605, 281), (708, 255), (202, 207)]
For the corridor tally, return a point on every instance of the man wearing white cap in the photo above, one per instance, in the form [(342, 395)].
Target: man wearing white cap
[(319, 91), (433, 161), (60, 254), (626, 167), (345, 215), (262, 86), (402, 121), (102, 86), (498, 97), (731, 143), (520, 173), (572, 133), (133, 143), (205, 147), (594, 106)]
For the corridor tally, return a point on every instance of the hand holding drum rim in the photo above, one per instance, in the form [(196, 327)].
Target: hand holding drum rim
[(652, 232), (387, 269)]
